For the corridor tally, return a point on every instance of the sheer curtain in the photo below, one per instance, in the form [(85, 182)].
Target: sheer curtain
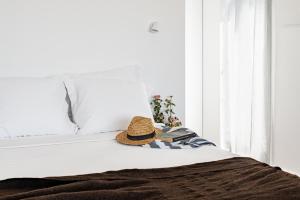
[(246, 77)]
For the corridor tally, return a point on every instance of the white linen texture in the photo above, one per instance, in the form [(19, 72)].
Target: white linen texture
[(129, 72), (103, 104), (246, 78), (86, 154), (33, 107)]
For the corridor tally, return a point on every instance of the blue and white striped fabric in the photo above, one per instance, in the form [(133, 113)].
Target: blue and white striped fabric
[(190, 143)]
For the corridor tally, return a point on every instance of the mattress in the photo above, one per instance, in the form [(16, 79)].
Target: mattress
[(47, 156)]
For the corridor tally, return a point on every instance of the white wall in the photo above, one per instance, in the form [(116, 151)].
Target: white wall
[(193, 66), (203, 68), (54, 36), (286, 66), (211, 70)]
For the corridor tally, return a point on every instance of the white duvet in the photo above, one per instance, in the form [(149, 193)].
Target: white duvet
[(77, 154)]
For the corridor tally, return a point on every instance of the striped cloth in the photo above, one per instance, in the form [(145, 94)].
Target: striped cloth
[(189, 143)]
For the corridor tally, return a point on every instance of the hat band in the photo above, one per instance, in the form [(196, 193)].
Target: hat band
[(141, 137)]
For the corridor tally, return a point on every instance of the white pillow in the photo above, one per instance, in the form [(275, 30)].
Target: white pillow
[(103, 105), (33, 106), (130, 73)]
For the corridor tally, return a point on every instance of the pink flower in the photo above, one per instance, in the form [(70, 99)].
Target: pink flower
[(156, 97)]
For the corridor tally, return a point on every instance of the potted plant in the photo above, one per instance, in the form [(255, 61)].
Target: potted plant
[(156, 106), (167, 116), (172, 120)]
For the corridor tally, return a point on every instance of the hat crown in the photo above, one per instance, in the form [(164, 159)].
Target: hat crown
[(140, 126)]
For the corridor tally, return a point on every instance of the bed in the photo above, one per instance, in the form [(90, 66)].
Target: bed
[(57, 141), (97, 167)]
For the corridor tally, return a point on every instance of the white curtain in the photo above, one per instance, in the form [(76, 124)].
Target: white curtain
[(246, 77)]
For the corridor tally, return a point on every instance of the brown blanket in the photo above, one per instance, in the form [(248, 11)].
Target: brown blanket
[(235, 178)]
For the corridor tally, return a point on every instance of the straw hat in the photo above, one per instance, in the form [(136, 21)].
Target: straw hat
[(140, 131)]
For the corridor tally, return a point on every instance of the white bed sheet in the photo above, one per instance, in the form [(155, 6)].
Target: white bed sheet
[(73, 155)]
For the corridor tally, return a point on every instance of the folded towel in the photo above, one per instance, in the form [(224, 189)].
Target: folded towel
[(189, 143)]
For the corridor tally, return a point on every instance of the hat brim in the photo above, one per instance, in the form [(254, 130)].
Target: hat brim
[(122, 138)]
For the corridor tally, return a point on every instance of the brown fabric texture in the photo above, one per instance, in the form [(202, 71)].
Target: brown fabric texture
[(230, 179)]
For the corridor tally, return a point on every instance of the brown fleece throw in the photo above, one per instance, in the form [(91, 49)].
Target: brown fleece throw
[(235, 178)]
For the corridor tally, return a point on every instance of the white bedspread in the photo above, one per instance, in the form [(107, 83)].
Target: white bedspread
[(73, 155)]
